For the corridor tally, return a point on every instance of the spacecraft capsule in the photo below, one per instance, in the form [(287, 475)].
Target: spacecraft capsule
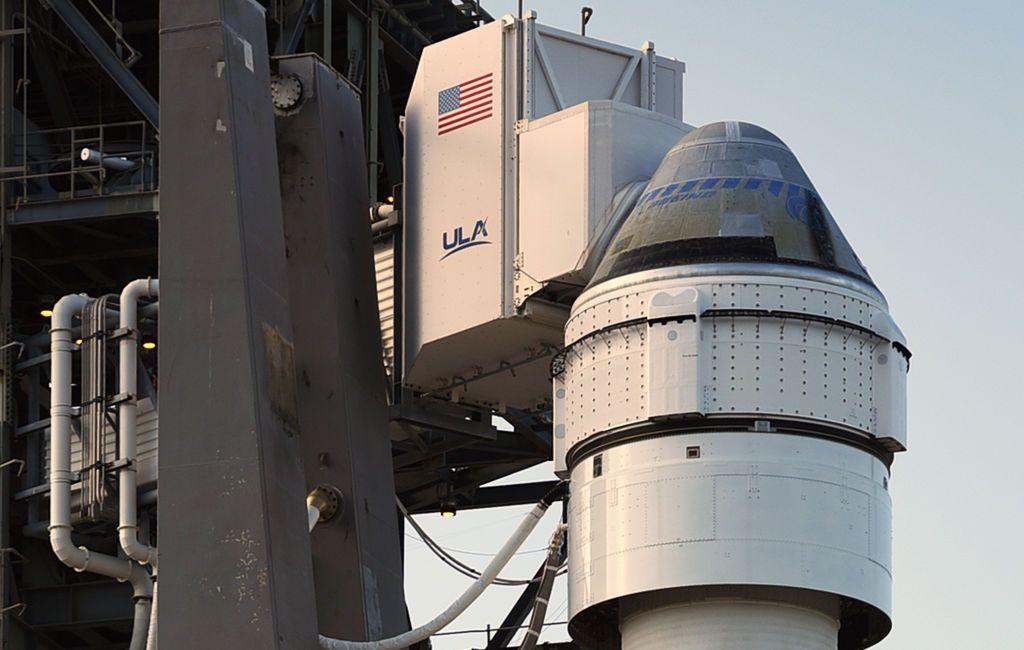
[(727, 405), (730, 192)]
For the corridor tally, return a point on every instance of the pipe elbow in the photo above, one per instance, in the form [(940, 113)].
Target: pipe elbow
[(65, 309), (135, 549), (136, 289), (81, 559), (65, 549), (141, 582), (130, 295), (141, 288)]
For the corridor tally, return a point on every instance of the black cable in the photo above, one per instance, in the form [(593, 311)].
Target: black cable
[(457, 564)]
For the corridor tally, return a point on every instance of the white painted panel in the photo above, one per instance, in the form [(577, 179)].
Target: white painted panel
[(585, 68), (675, 382), (580, 68), (889, 408), (454, 193), (558, 402), (755, 509), (553, 185), (571, 165), (669, 87)]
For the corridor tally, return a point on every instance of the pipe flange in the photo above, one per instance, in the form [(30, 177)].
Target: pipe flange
[(285, 92), (328, 500)]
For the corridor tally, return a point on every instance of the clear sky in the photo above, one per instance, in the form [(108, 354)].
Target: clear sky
[(906, 115)]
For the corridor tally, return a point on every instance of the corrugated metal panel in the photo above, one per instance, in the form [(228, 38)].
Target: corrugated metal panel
[(384, 260), (147, 431)]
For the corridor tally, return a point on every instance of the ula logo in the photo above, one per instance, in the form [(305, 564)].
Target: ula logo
[(456, 240)]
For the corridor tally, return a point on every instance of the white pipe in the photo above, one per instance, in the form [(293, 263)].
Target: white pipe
[(78, 558), (488, 575), (313, 515), (151, 637), (140, 628), (381, 212), (127, 414), (117, 163)]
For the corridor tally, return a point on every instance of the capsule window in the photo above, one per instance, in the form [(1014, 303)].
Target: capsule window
[(598, 465), (693, 452)]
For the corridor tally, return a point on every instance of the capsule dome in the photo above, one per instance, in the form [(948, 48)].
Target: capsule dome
[(729, 192)]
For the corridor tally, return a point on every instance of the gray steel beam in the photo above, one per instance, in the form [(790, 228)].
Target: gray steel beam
[(108, 59), (372, 95), (423, 495), (498, 496), (143, 204), (51, 82), (403, 20), (392, 47), (235, 557), (343, 412), (77, 604), (292, 30), (434, 451), (328, 31), (8, 359), (424, 418), (390, 139), (513, 621)]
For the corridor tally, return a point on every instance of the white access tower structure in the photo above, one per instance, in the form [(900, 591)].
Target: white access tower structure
[(726, 383)]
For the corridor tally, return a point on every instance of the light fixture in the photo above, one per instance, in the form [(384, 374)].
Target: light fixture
[(448, 508), (390, 199), (149, 345), (46, 313), (78, 341)]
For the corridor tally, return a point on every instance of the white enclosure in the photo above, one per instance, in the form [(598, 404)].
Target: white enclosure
[(518, 136)]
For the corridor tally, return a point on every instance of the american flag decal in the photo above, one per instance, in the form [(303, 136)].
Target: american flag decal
[(467, 103)]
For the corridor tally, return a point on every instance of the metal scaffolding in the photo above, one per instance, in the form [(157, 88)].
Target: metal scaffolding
[(81, 76)]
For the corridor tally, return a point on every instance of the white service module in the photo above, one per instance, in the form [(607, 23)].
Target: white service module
[(519, 137), (727, 405)]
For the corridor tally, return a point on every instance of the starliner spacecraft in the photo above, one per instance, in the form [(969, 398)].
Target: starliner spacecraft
[(728, 389), (729, 398)]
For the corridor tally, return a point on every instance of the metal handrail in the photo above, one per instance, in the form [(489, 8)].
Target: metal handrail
[(101, 125), (61, 147)]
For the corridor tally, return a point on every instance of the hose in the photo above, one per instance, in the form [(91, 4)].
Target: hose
[(547, 581), (488, 575)]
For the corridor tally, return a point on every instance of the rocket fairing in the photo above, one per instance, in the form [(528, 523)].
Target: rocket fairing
[(727, 406)]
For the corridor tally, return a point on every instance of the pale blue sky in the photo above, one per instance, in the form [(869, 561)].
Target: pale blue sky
[(903, 114)]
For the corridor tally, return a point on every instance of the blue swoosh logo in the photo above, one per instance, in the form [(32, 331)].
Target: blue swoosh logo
[(464, 247)]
